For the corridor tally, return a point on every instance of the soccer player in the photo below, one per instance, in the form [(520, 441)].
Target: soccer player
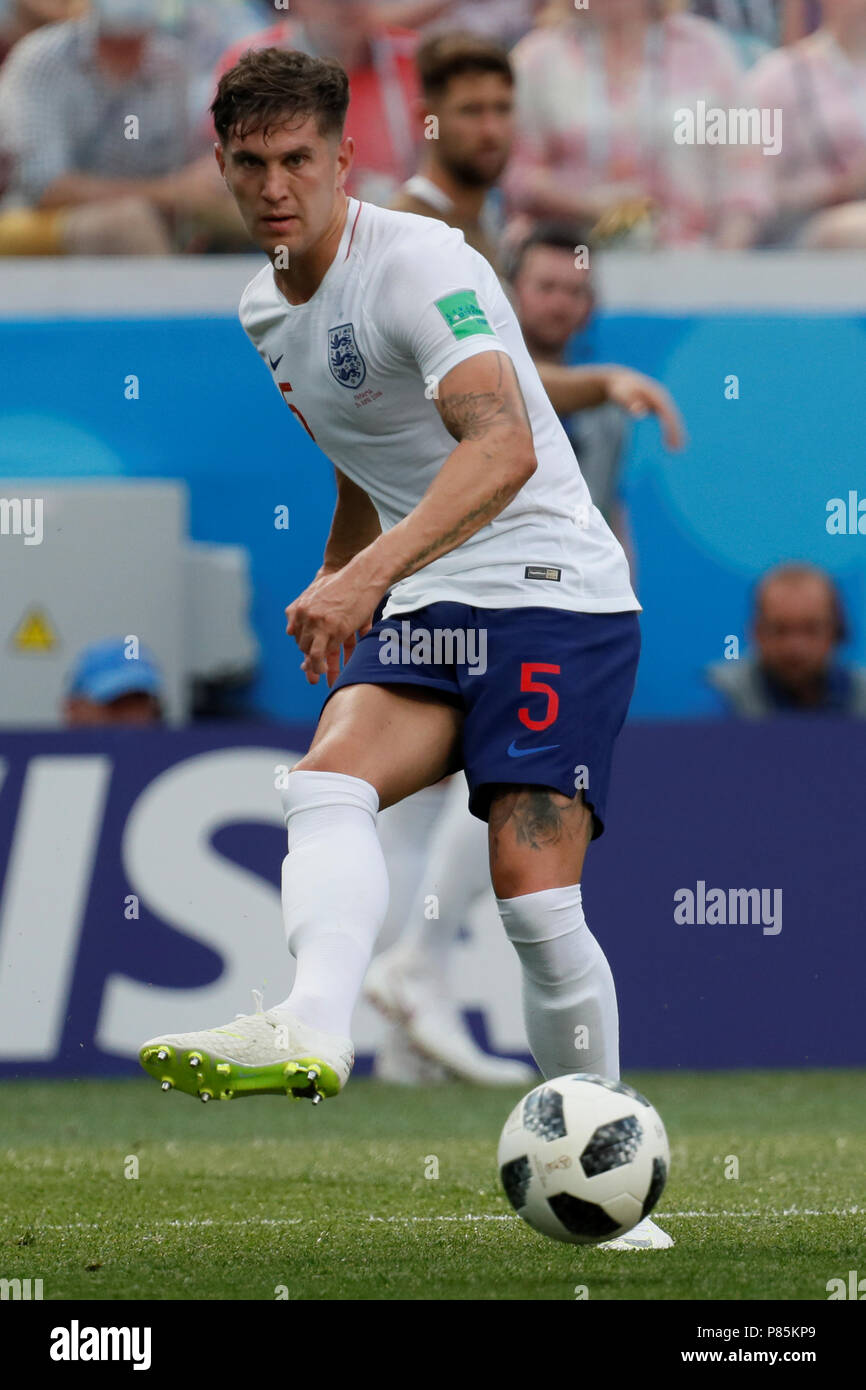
[(410, 981), (509, 645)]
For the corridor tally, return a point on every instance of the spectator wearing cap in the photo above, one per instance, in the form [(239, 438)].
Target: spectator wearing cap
[(94, 121), (798, 625), (107, 685), (819, 177), (380, 62)]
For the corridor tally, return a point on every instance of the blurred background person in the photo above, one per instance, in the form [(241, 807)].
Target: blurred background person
[(504, 20), (819, 178), (467, 89), (109, 685), (20, 17), (596, 93), (207, 28), (467, 84), (798, 625), (555, 302), (380, 62), (756, 26), (94, 121)]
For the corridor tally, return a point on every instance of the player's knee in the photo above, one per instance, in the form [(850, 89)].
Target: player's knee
[(311, 787), (549, 933), (541, 915), (510, 880)]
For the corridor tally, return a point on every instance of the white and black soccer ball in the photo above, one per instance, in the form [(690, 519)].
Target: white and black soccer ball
[(583, 1159)]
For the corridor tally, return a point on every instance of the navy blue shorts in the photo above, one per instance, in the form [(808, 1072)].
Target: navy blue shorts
[(544, 691)]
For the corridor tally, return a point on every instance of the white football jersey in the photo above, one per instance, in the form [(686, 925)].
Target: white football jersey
[(402, 303)]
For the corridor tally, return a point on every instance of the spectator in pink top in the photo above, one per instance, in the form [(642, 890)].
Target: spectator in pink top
[(380, 62), (819, 179), (597, 95)]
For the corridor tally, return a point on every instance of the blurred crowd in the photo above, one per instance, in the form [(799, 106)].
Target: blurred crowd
[(655, 123)]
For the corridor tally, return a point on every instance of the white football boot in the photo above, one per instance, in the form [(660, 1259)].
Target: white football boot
[(398, 1063), (434, 1026), (257, 1054), (646, 1235)]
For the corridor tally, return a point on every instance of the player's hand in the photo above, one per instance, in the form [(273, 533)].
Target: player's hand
[(330, 615), (641, 396)]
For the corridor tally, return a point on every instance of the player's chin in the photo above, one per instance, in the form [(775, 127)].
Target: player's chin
[(271, 234)]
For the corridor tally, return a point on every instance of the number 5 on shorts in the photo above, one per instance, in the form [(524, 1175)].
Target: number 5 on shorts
[(527, 683)]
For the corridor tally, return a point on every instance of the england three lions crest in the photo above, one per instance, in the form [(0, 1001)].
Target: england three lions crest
[(346, 363)]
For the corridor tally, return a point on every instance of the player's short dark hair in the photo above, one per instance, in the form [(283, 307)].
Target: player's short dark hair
[(559, 235), (445, 56), (268, 87)]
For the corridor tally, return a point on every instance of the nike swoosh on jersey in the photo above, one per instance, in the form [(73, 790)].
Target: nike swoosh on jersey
[(274, 364), (514, 752)]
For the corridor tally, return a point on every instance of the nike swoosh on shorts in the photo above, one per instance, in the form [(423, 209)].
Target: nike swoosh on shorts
[(514, 752)]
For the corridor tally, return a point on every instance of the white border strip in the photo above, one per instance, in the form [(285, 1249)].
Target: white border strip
[(124, 287), (670, 283), (463, 1219), (790, 282)]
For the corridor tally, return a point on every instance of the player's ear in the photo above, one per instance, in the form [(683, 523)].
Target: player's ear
[(345, 159), (219, 155)]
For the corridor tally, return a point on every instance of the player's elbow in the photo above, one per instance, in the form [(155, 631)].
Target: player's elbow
[(522, 462)]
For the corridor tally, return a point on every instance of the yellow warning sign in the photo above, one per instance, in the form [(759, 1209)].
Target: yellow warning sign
[(35, 632)]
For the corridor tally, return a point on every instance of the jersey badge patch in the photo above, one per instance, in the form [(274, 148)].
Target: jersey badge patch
[(463, 314), (347, 365)]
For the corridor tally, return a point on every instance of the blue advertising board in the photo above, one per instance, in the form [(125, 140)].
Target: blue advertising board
[(139, 893)]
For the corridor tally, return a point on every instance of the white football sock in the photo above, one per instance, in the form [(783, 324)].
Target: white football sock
[(405, 833), (335, 894), (569, 998), (455, 875)]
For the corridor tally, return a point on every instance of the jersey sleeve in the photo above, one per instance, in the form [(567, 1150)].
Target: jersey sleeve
[(438, 306)]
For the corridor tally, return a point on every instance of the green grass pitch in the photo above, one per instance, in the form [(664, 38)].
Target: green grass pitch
[(246, 1199)]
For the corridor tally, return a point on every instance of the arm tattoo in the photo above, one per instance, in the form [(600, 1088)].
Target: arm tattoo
[(483, 513), (470, 416), (473, 416)]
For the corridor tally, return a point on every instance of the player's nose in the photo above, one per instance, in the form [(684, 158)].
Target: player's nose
[(274, 187)]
